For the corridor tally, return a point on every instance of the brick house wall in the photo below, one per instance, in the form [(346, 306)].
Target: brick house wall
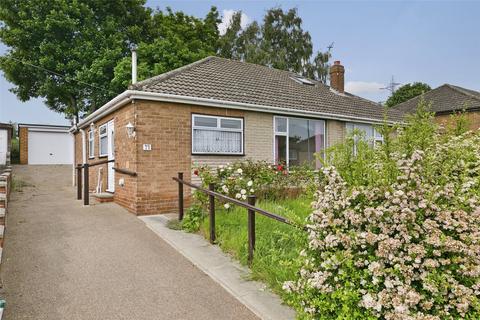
[(125, 156), (23, 144), (473, 118), (167, 128)]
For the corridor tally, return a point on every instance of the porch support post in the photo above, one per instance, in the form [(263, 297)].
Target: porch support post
[(85, 184), (180, 197), (79, 182)]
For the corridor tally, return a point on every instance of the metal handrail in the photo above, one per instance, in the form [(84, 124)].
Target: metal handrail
[(250, 206), (237, 202)]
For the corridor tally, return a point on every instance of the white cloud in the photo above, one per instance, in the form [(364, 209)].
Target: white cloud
[(363, 87), (227, 16)]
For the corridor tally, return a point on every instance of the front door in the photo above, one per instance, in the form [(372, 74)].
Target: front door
[(111, 156)]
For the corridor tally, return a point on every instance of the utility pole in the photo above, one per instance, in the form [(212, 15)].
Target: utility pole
[(392, 86)]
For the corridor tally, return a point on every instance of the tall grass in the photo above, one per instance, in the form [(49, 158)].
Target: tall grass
[(277, 244)]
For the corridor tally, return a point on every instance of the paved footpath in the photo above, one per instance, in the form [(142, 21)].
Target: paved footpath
[(65, 261)]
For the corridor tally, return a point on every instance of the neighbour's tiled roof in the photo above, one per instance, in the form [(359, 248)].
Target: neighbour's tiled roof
[(444, 99), (235, 81)]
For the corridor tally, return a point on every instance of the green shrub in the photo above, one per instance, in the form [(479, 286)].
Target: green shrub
[(395, 231), (192, 219)]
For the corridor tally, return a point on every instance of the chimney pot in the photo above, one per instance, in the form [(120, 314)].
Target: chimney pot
[(337, 77)]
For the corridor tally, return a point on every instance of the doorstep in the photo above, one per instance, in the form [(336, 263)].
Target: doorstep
[(103, 197), (222, 269)]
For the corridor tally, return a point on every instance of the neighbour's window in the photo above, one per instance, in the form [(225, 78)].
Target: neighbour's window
[(369, 133), (302, 138), (102, 140), (91, 144), (217, 135)]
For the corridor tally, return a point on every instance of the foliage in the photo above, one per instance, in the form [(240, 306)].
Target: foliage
[(399, 239), (79, 42), (75, 55), (175, 40), (193, 217), (277, 244), (244, 178), (280, 42), (407, 92), (15, 151)]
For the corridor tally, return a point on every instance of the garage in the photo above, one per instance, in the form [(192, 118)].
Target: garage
[(45, 144)]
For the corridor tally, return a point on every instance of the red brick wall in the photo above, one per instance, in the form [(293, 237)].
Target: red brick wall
[(23, 144), (125, 156), (473, 119), (167, 127)]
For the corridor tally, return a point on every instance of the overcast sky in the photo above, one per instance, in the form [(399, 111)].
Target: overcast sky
[(435, 42)]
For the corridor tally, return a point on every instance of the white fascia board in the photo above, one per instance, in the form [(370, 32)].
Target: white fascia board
[(130, 95), (246, 106), (107, 108)]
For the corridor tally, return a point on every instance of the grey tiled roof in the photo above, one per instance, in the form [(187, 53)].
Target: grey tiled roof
[(235, 81), (444, 99)]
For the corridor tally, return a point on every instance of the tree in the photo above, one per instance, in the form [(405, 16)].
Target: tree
[(176, 40), (407, 92), (280, 42), (65, 52), (74, 54)]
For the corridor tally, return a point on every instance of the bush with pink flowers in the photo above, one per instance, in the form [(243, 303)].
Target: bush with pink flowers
[(395, 231)]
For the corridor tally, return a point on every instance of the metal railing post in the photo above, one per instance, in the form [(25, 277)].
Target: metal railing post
[(86, 197), (180, 197), (211, 201), (79, 182), (251, 229)]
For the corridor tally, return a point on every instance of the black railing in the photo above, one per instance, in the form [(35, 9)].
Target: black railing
[(250, 206)]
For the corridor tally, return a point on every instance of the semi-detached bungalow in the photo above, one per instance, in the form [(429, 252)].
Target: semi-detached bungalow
[(214, 111)]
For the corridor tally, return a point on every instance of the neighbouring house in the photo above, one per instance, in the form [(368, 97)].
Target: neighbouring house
[(445, 101), (45, 144), (214, 111), (6, 133)]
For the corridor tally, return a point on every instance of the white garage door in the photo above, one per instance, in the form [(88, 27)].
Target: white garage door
[(50, 147), (3, 146)]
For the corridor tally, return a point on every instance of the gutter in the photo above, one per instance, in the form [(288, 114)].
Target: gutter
[(130, 95)]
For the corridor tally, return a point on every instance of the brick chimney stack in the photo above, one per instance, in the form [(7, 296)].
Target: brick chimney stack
[(337, 77)]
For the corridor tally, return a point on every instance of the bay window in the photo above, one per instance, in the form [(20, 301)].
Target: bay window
[(297, 140), (217, 135)]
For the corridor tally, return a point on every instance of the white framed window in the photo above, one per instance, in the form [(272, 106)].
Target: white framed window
[(370, 134), (217, 135), (91, 144), (102, 141), (297, 140)]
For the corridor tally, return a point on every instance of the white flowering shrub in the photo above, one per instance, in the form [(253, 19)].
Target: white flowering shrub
[(405, 246)]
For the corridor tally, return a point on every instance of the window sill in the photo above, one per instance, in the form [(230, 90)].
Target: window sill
[(103, 155), (219, 154)]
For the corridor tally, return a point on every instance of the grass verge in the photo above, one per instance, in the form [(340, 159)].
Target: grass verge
[(277, 244)]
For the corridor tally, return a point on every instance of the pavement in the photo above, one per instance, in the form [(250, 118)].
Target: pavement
[(66, 261), (224, 270)]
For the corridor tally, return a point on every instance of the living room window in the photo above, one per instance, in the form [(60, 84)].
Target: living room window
[(217, 135), (297, 140)]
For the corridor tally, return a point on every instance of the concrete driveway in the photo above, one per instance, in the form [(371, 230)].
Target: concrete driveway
[(65, 261)]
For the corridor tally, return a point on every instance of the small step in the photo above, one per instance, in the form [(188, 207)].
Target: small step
[(104, 197)]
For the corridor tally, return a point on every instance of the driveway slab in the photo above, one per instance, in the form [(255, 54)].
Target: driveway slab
[(66, 261)]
